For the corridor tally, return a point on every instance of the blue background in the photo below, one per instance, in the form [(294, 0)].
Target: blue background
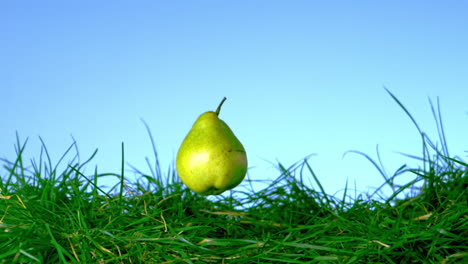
[(301, 77)]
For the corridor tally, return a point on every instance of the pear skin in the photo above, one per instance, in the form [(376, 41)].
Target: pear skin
[(211, 159)]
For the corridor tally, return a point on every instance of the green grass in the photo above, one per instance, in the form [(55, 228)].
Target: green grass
[(52, 216)]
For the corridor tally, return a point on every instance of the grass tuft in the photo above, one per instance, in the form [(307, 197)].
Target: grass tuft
[(52, 216)]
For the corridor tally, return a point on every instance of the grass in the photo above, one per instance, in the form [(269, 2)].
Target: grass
[(52, 216)]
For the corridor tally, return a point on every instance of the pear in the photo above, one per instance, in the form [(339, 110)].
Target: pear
[(211, 159)]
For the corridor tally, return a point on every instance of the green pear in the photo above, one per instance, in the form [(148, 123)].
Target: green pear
[(211, 159)]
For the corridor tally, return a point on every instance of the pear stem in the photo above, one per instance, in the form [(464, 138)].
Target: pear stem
[(219, 106)]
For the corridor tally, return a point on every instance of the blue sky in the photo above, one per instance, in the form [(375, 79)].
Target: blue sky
[(301, 78)]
